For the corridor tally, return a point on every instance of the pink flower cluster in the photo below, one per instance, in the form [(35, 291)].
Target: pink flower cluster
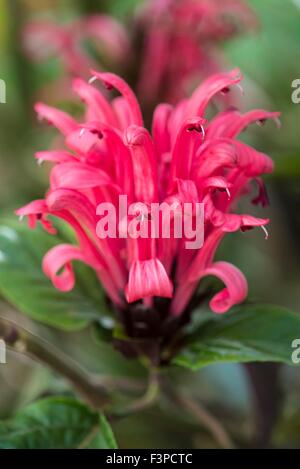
[(181, 39), (178, 49), (185, 158), (44, 39)]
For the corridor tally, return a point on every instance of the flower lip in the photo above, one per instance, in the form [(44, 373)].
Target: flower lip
[(196, 124), (147, 279), (94, 128)]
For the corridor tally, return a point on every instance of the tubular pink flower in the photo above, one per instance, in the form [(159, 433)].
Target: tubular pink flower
[(186, 142), (139, 142), (186, 160), (61, 120), (77, 176), (98, 108), (211, 86), (111, 80)]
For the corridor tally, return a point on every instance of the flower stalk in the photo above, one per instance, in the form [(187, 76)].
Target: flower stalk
[(147, 400)]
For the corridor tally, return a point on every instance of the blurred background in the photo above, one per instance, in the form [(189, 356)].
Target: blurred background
[(269, 58)]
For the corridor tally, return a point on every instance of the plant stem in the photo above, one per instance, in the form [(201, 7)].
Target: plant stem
[(206, 418), (143, 402), (22, 341)]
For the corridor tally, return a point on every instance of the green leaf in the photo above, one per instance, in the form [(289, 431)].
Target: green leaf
[(56, 423), (23, 283), (248, 333), (104, 438)]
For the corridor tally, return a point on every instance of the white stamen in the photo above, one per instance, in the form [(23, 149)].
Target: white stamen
[(228, 193), (40, 161), (82, 131), (21, 217), (240, 88), (141, 217), (92, 80), (203, 132), (265, 231)]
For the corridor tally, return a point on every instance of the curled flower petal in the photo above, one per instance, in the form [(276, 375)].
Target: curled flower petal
[(58, 258), (236, 286)]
